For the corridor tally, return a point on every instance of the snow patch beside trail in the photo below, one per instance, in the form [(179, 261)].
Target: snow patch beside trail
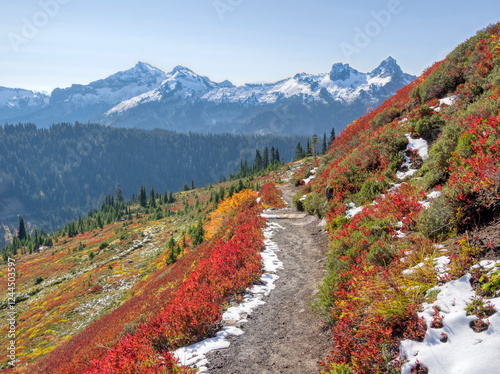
[(427, 203), (423, 150), (465, 351), (446, 101), (353, 211), (311, 177), (195, 354)]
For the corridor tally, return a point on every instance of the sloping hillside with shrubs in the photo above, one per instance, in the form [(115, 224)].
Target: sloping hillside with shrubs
[(411, 197)]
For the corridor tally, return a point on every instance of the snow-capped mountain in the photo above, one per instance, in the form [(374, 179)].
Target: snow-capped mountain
[(16, 101), (112, 90), (86, 102), (302, 104), (146, 97)]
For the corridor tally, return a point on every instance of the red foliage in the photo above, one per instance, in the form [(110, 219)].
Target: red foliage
[(271, 196), (475, 180), (193, 311)]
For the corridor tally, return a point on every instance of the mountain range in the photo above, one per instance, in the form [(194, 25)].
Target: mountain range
[(145, 97)]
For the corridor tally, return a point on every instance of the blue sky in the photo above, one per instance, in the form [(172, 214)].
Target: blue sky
[(53, 43)]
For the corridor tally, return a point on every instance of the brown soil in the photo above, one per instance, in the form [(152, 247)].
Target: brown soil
[(284, 335), (487, 238)]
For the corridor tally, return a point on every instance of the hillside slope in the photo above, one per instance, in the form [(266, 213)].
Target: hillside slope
[(412, 201)]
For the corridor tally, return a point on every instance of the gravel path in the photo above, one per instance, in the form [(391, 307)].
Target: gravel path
[(284, 335)]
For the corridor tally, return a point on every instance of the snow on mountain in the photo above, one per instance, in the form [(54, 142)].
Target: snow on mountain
[(17, 97), (180, 83), (182, 100), (113, 89), (342, 83)]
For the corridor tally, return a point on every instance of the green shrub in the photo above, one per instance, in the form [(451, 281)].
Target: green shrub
[(340, 369), (396, 147), (38, 280), (436, 222), (387, 116), (464, 146), (381, 254), (297, 203), (314, 204), (440, 152), (429, 128), (431, 176), (369, 190), (103, 245)]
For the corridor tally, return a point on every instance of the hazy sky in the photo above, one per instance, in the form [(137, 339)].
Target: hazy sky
[(53, 43)]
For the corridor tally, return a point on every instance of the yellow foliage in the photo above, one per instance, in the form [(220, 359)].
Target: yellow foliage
[(225, 210)]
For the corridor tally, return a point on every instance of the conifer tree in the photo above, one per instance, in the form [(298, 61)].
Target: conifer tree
[(119, 193), (314, 143), (277, 155), (308, 149), (272, 160), (22, 230), (143, 201), (332, 137), (152, 198), (265, 158), (257, 164), (323, 147), (299, 152)]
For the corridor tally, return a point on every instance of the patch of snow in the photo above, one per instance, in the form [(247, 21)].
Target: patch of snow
[(353, 211), (404, 174), (434, 195), (311, 177), (423, 150), (195, 353), (446, 101), (465, 350), (420, 145), (426, 204), (269, 216), (412, 269)]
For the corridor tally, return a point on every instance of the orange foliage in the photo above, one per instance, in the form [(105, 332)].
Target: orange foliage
[(225, 210)]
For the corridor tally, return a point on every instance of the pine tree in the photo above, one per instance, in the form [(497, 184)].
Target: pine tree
[(332, 137), (272, 160), (299, 152), (143, 201), (277, 155), (308, 149), (314, 143), (22, 230), (199, 233), (265, 158), (257, 164), (323, 147), (119, 193), (99, 221), (152, 198), (192, 184)]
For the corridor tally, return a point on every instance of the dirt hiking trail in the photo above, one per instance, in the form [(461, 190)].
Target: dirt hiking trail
[(284, 335)]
